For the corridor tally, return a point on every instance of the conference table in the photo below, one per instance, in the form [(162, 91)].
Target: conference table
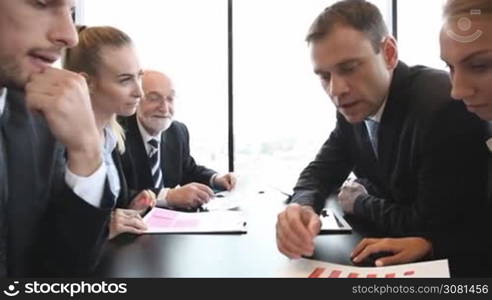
[(250, 255)]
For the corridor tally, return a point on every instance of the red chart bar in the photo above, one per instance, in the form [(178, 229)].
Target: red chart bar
[(335, 274), (317, 273), (390, 275), (372, 275), (409, 273), (353, 275)]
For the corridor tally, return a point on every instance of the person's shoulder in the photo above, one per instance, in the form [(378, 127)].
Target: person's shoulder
[(127, 122), (177, 130), (421, 71), (178, 126), (430, 89), (426, 80)]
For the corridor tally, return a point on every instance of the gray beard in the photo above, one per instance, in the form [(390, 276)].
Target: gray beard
[(169, 122)]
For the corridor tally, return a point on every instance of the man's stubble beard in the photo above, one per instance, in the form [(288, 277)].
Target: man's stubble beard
[(10, 74)]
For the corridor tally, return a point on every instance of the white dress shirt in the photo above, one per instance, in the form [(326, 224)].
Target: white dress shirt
[(489, 141), (91, 188), (108, 148), (146, 137), (3, 96), (376, 118)]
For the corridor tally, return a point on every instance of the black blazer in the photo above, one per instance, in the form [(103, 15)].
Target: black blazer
[(469, 248), (51, 231), (125, 196), (430, 174), (179, 167)]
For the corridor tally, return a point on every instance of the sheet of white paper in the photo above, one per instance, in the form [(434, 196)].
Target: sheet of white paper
[(228, 200), (223, 201), (306, 268), (331, 222), (160, 220)]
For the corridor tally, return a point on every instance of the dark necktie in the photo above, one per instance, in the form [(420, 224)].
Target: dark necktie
[(155, 163), (372, 128), (3, 198)]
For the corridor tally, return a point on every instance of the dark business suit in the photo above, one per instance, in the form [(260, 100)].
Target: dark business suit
[(123, 199), (430, 175), (469, 248), (51, 231), (179, 167)]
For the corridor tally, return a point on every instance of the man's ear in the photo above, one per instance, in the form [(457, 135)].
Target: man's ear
[(390, 52)]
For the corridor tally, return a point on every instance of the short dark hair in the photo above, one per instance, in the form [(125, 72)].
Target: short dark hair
[(359, 14)]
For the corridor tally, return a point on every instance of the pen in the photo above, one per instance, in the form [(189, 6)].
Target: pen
[(340, 225)]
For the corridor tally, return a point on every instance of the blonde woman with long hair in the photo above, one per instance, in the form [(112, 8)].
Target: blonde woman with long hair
[(106, 57)]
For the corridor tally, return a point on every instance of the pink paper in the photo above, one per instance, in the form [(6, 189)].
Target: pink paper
[(162, 219), (186, 223)]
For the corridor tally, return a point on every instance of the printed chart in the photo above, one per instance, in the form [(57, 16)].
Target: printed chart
[(305, 268)]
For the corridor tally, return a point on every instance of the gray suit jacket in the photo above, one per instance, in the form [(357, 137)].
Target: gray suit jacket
[(431, 161), (51, 231)]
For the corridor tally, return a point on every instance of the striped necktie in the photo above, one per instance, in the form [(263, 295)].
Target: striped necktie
[(372, 129), (154, 160)]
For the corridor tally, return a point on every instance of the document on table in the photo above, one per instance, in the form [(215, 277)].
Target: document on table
[(225, 200), (305, 268), (160, 220), (333, 223), (230, 200)]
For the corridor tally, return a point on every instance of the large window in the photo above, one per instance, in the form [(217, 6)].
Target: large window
[(186, 39), (419, 23), (282, 116)]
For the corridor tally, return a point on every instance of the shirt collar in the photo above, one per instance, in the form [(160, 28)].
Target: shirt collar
[(145, 135), (377, 117), (109, 141), (3, 97), (489, 133)]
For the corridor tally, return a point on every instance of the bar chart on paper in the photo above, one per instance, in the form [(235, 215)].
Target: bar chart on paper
[(305, 268)]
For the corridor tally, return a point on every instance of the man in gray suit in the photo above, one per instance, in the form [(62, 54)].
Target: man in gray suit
[(398, 131), (54, 199)]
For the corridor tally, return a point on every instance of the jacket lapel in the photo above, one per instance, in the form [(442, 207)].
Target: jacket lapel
[(393, 117), (122, 199), (140, 157), (169, 158)]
